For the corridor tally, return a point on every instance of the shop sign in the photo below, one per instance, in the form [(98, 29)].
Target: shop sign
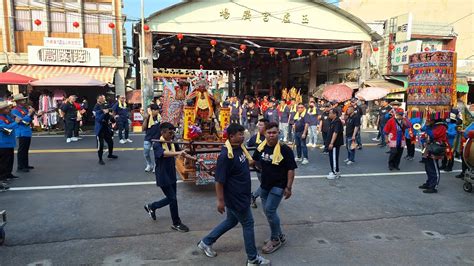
[(63, 42), (403, 30), (41, 55), (402, 52), (248, 15)]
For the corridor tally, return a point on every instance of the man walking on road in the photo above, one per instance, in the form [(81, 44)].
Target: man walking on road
[(277, 163), (69, 113), (395, 133), (8, 125), (254, 142), (233, 189), (352, 129), (151, 127), (103, 129), (121, 116), (334, 142)]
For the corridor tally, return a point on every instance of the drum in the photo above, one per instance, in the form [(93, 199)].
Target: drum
[(468, 153)]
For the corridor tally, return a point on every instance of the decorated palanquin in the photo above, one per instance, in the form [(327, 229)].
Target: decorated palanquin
[(432, 85), (292, 94)]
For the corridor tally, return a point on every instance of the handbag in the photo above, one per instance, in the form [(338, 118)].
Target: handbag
[(437, 149)]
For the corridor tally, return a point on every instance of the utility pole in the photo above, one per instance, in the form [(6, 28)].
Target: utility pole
[(147, 94)]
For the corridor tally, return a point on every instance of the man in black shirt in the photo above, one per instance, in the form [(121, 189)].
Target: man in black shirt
[(324, 124), (384, 116), (277, 163), (151, 127), (69, 114), (252, 115), (352, 129), (334, 141), (103, 129)]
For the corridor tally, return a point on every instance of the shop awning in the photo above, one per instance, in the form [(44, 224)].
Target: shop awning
[(462, 85), (403, 79), (382, 83), (71, 80), (104, 74), (11, 78)]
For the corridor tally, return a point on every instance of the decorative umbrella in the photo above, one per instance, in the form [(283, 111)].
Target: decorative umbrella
[(337, 92), (372, 93), (318, 93), (11, 78)]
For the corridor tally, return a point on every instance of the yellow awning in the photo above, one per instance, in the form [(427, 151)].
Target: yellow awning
[(104, 74)]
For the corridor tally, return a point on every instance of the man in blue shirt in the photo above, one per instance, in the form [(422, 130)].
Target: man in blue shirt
[(301, 126), (121, 115), (233, 189), (165, 173), (271, 114), (23, 132), (103, 129), (8, 125)]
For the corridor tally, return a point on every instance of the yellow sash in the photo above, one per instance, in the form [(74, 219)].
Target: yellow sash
[(165, 145), (122, 105), (151, 121), (312, 112), (282, 108), (298, 117), (277, 157), (258, 141), (230, 152), (293, 109)]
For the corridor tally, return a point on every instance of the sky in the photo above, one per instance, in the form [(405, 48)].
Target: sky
[(132, 9)]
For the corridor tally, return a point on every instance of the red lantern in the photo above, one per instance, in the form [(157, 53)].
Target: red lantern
[(326, 52), (427, 49), (213, 43), (37, 22), (350, 51), (243, 47), (180, 36), (75, 24), (299, 52), (376, 49), (271, 50), (146, 27), (111, 25), (391, 47)]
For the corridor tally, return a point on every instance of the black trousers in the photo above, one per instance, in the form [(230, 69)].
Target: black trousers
[(170, 199), (410, 148), (334, 159), (23, 149), (77, 125), (395, 157), (325, 137), (6, 162), (70, 126), (103, 136), (447, 163), (432, 171)]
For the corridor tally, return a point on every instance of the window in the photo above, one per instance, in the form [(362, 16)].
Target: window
[(97, 17), (26, 12)]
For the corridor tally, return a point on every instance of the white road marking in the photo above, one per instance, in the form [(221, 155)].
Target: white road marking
[(456, 160), (180, 181)]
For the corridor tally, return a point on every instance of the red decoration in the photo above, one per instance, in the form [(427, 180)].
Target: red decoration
[(75, 24), (326, 52), (146, 27), (376, 49), (350, 51), (271, 50), (111, 25), (391, 47), (37, 22), (213, 43), (427, 49), (180, 36), (299, 52), (243, 47)]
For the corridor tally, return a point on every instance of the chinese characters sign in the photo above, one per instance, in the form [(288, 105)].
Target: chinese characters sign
[(402, 52), (63, 42), (248, 15), (403, 30), (40, 55)]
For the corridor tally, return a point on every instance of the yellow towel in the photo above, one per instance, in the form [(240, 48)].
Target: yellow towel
[(282, 107), (312, 112), (151, 121), (230, 153), (122, 105), (277, 157), (258, 140), (293, 108), (165, 145), (297, 115)]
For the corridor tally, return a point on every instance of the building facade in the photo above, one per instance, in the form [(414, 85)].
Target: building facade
[(48, 38)]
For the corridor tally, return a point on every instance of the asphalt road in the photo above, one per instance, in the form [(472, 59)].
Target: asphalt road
[(70, 210)]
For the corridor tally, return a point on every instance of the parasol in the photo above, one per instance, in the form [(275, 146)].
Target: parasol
[(337, 92), (318, 93), (372, 93)]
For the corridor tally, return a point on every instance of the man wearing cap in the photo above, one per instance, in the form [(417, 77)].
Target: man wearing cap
[(69, 114), (23, 132), (8, 125), (103, 129), (384, 116), (395, 133), (121, 116)]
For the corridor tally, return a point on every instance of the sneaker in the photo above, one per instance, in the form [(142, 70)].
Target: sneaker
[(448, 169), (346, 160), (424, 186), (148, 168), (331, 176), (325, 152), (180, 228), (74, 139), (112, 156), (409, 158), (321, 147), (349, 162), (375, 139), (461, 175), (4, 187), (253, 202), (78, 138), (10, 177), (129, 140), (101, 162), (68, 140), (282, 239), (207, 249), (298, 159), (259, 260), (122, 141), (24, 170), (305, 161), (271, 246), (430, 190), (150, 212)]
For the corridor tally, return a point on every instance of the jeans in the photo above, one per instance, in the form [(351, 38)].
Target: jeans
[(258, 192), (301, 145), (171, 200), (23, 149), (358, 140), (270, 201), (283, 131), (123, 126), (147, 145), (350, 152), (382, 135), (245, 218), (313, 135)]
